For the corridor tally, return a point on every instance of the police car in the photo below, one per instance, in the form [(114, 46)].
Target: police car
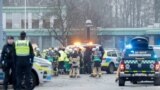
[(41, 71), (139, 63), (111, 59)]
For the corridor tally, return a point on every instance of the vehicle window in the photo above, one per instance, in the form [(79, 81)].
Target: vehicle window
[(147, 53), (119, 53), (109, 53), (114, 54)]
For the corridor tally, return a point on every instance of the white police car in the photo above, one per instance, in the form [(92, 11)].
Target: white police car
[(41, 71), (111, 59)]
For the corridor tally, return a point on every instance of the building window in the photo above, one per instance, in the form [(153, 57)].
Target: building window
[(8, 20), (23, 24), (46, 23), (56, 23), (36, 20), (35, 23), (16, 20), (8, 24), (23, 20)]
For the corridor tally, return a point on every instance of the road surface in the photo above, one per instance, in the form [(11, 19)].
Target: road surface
[(107, 82)]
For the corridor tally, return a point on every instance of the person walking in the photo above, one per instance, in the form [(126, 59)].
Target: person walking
[(24, 62)]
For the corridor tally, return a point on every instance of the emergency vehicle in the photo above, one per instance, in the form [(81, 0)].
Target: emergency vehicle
[(139, 63), (41, 72)]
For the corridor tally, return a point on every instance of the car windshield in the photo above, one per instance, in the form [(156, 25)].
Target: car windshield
[(147, 53)]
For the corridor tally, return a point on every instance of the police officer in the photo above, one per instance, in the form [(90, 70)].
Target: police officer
[(7, 61), (61, 61), (24, 61)]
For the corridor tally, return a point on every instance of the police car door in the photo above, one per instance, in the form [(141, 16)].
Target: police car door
[(112, 57)]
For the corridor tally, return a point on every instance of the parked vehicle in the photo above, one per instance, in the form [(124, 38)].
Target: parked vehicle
[(41, 71), (111, 59)]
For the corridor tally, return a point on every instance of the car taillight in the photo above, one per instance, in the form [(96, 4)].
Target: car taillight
[(156, 66), (122, 66)]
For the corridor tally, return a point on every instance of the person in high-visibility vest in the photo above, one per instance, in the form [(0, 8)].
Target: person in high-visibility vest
[(24, 61), (61, 61), (67, 61)]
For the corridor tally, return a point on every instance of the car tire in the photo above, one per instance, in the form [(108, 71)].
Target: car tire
[(157, 81), (34, 80), (111, 68), (121, 82), (134, 82)]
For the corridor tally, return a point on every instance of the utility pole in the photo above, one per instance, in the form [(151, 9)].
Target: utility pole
[(1, 28)]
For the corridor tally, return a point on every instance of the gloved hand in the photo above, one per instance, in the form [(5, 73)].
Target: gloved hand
[(4, 65)]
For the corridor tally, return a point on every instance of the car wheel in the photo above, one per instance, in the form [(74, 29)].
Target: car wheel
[(34, 80), (157, 81), (134, 82), (111, 68), (121, 82)]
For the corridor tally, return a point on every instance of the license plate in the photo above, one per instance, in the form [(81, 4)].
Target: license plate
[(140, 75)]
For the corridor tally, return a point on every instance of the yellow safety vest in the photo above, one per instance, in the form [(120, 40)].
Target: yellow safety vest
[(66, 59), (62, 56), (22, 48)]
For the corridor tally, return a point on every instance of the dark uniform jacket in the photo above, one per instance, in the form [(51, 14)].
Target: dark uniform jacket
[(7, 55)]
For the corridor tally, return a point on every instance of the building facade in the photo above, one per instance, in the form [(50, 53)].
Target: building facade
[(120, 37), (37, 29), (36, 23)]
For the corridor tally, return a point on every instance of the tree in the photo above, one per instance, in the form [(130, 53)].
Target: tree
[(68, 18)]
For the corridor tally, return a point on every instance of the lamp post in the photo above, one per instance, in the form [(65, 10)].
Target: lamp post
[(88, 25), (1, 28)]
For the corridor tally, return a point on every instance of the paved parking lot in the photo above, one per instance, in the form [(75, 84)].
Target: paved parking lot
[(107, 82)]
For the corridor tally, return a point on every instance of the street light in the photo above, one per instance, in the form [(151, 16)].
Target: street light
[(88, 25)]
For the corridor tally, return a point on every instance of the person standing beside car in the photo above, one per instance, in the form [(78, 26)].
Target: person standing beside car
[(7, 62), (87, 60), (96, 58), (24, 61)]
